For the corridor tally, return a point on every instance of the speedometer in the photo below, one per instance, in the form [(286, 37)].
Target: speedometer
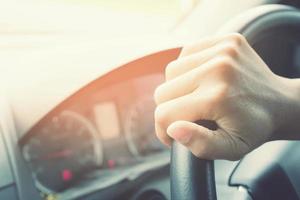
[(62, 150)]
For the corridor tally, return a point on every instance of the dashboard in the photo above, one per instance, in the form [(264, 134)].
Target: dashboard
[(100, 136), (105, 134)]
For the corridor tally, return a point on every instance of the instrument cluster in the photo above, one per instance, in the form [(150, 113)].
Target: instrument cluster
[(100, 138)]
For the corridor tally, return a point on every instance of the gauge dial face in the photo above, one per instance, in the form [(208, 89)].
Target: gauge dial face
[(139, 128), (64, 149)]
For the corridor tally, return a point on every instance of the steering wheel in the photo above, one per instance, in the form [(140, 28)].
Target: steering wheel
[(193, 178)]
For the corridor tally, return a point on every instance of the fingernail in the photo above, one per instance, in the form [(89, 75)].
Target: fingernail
[(179, 134)]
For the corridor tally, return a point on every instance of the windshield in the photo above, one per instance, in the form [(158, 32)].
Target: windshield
[(110, 18)]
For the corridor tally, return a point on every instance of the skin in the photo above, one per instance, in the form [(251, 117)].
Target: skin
[(222, 79)]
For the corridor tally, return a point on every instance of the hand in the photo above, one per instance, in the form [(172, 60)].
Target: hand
[(222, 79)]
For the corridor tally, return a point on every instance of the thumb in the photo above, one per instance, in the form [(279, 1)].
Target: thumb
[(208, 144)]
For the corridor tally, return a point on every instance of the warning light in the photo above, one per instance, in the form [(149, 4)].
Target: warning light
[(111, 164), (67, 175)]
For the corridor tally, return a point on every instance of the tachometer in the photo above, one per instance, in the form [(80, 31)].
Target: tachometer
[(139, 128), (63, 149)]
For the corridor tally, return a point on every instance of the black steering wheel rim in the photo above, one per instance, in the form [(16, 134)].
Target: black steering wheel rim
[(193, 178)]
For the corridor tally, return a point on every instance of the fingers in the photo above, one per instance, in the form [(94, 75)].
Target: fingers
[(201, 45), (219, 68), (193, 56), (209, 42), (205, 143), (187, 108)]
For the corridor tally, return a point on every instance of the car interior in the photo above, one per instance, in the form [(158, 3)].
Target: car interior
[(97, 141)]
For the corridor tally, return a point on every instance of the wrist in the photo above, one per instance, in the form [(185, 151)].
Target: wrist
[(288, 110)]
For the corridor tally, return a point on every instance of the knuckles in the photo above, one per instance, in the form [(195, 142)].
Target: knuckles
[(226, 67), (237, 38), (231, 50), (233, 45), (223, 70)]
